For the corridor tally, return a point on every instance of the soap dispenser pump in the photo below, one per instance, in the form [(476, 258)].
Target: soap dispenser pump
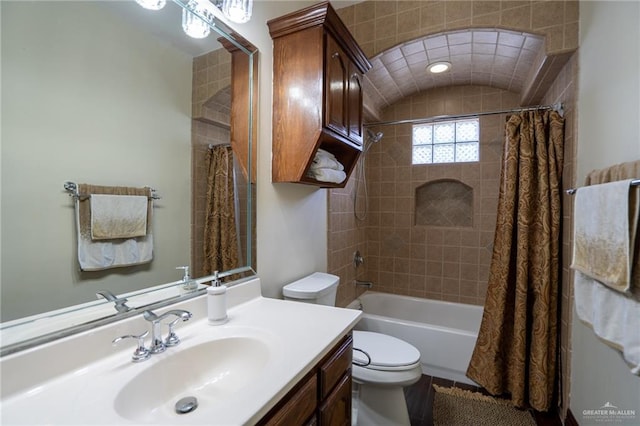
[(187, 285), (217, 301)]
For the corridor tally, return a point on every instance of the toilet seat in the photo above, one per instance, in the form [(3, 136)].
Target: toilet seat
[(386, 353)]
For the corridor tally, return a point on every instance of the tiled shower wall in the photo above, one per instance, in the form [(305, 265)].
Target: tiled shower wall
[(444, 263), (439, 262)]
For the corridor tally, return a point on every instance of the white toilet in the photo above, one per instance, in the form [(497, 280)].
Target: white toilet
[(382, 364)]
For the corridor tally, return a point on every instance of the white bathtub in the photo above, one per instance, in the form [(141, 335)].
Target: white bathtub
[(444, 332)]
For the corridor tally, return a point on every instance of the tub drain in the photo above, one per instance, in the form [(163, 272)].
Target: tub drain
[(186, 405)]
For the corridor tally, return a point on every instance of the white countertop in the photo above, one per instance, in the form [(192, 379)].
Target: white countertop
[(77, 380)]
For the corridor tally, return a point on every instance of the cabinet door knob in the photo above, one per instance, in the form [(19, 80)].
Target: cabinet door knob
[(335, 55)]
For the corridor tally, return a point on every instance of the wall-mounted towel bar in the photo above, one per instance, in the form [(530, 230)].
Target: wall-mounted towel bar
[(72, 189), (635, 182)]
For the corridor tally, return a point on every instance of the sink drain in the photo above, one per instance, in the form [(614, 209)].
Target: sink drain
[(186, 405)]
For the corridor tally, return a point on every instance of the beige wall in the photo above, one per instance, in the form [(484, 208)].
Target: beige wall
[(91, 123), (379, 25), (292, 218), (608, 133)]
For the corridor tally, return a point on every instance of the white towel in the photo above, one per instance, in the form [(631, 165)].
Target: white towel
[(118, 216), (326, 163), (106, 254), (605, 225), (323, 153), (328, 175), (614, 317)]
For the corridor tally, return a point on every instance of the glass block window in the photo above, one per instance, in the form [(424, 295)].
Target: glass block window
[(446, 142)]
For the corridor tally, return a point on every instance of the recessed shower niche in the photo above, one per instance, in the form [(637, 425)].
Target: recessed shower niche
[(444, 202)]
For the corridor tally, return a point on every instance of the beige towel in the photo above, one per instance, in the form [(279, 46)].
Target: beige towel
[(622, 171), (118, 216), (606, 221), (630, 170)]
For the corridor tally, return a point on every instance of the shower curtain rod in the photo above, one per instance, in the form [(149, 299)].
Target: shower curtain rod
[(556, 107)]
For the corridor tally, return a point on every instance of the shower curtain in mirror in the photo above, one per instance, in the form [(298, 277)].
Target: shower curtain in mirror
[(516, 348), (220, 233)]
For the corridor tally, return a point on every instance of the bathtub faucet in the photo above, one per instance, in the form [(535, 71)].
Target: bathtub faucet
[(367, 284)]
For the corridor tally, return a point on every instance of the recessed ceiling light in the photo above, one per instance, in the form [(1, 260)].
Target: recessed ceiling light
[(438, 67)]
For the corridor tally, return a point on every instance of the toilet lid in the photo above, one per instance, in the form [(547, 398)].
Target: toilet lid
[(384, 350)]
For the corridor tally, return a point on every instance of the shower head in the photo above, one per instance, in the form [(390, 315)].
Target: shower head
[(374, 137)]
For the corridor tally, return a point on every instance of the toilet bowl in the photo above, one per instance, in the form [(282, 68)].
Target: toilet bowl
[(382, 364)]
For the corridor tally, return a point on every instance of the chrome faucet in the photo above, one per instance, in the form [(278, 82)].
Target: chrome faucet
[(157, 344), (141, 353), (121, 304)]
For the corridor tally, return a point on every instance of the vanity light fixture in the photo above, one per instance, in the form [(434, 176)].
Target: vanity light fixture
[(439, 67), (198, 15), (238, 11), (192, 24), (152, 4)]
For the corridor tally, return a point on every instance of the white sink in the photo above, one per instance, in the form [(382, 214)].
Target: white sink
[(237, 371), (212, 372)]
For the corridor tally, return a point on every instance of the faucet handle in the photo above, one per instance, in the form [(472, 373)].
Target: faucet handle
[(172, 339), (141, 353), (121, 303)]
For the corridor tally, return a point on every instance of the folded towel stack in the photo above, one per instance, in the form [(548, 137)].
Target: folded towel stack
[(326, 168), (607, 269)]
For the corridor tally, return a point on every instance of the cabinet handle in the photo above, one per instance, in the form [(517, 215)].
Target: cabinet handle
[(335, 55), (355, 76)]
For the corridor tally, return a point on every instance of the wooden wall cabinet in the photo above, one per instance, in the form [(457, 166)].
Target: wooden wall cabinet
[(322, 397), (318, 69)]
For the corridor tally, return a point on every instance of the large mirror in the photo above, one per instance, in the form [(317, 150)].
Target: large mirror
[(109, 93)]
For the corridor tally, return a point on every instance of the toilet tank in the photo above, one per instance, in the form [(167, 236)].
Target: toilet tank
[(318, 288)]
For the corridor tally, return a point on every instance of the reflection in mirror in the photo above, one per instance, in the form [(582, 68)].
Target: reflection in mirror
[(104, 92)]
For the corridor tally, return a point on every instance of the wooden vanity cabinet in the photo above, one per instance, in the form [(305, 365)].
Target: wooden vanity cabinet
[(322, 397), (318, 100)]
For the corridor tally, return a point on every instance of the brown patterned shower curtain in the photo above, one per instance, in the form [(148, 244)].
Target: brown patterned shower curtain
[(516, 349), (220, 233)]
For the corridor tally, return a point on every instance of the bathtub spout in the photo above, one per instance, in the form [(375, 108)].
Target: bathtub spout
[(367, 284)]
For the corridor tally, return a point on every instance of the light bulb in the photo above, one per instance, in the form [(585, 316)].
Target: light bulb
[(238, 11), (438, 67), (152, 4), (192, 25)]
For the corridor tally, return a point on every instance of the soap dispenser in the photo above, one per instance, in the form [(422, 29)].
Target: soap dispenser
[(217, 301), (187, 285)]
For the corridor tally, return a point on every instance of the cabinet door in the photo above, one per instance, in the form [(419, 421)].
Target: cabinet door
[(336, 81), (354, 105), (336, 409), (299, 405)]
